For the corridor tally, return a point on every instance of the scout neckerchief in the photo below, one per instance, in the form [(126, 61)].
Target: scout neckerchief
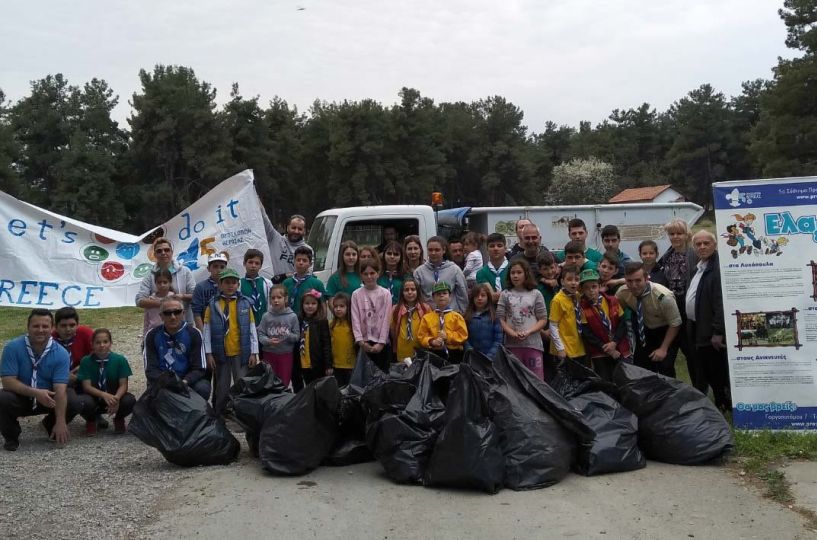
[(390, 275), (639, 316), (255, 296), (436, 269), (170, 359), (441, 313), (409, 312), (102, 382), (496, 272), (604, 319), (302, 340), (35, 361), (577, 310), (296, 293), (226, 311), (67, 343)]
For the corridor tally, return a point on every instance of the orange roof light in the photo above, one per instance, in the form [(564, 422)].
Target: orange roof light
[(436, 199)]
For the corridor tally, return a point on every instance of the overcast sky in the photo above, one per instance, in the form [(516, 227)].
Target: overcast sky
[(560, 60)]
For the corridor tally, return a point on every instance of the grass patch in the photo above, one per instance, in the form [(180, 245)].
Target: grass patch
[(13, 319)]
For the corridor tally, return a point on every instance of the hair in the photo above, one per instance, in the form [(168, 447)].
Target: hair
[(40, 312), (293, 217), (576, 223), (320, 315), (406, 241), (348, 301), (401, 301), (495, 238), (704, 232), (341, 271), (529, 283), (101, 331), (610, 230), (478, 288), (396, 247), (279, 287), (611, 257), (632, 267), (253, 253), (163, 273), (439, 240), (303, 250), (64, 313), (545, 258), (372, 251), (648, 243), (570, 269), (474, 238), (679, 225), (371, 263), (167, 300), (574, 246), (160, 240)]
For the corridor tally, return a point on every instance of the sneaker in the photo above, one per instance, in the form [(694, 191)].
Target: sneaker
[(11, 445), (90, 428), (119, 426), (101, 423)]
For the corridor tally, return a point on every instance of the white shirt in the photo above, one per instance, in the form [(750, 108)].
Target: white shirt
[(693, 290)]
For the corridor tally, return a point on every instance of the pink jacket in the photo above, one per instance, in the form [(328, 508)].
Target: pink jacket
[(371, 314)]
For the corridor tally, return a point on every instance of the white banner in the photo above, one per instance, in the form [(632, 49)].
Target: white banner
[(53, 261), (767, 240)]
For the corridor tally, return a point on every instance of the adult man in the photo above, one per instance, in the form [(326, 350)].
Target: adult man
[(34, 373), (518, 246), (182, 285), (656, 320), (456, 253), (577, 231), (282, 247), (176, 345), (390, 234), (531, 249), (705, 324)]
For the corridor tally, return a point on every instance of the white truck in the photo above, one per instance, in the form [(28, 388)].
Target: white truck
[(364, 225)]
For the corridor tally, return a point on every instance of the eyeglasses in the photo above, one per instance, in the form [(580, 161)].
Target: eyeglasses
[(162, 250), (172, 312)]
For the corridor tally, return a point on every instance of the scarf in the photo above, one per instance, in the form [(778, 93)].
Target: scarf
[(102, 382), (35, 361), (496, 272), (67, 343), (604, 320), (441, 313), (302, 340), (296, 292), (639, 317), (577, 310), (409, 332), (255, 296), (226, 313)]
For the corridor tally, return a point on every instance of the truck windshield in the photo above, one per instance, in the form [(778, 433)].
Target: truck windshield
[(319, 237)]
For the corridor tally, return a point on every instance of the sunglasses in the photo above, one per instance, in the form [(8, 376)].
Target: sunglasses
[(172, 312)]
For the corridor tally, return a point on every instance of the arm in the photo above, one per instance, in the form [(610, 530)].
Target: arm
[(294, 334), (151, 359), (461, 292), (326, 347), (144, 299), (499, 337), (556, 339), (357, 317), (60, 431), (263, 327), (659, 354), (590, 338), (457, 333), (197, 359), (44, 397), (253, 343), (424, 334), (384, 312)]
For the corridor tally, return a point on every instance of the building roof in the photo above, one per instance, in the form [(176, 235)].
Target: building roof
[(641, 194)]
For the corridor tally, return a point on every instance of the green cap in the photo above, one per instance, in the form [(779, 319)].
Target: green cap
[(440, 286), (588, 275), (228, 273)]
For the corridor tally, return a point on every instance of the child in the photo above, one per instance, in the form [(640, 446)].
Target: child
[(104, 378), (315, 346), (207, 289), (414, 256), (607, 269), (549, 282), (436, 269), (163, 280), (254, 286), (406, 318), (371, 307), (495, 271), (367, 253), (443, 330), (565, 318), (230, 337), (302, 280), (344, 356), (603, 329), (575, 256), (472, 244), (484, 328), (648, 252), (278, 332), (611, 238), (346, 278), (392, 275), (521, 312)]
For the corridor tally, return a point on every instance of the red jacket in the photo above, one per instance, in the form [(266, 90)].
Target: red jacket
[(594, 333), (81, 346)]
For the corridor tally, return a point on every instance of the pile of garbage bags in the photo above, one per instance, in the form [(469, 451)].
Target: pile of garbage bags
[(484, 424)]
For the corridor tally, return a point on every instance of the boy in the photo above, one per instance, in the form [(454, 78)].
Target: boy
[(548, 284), (565, 317), (253, 286), (603, 329), (230, 338), (495, 271), (608, 269), (611, 238), (575, 256), (443, 330), (207, 289), (648, 252), (301, 281), (577, 232), (77, 340)]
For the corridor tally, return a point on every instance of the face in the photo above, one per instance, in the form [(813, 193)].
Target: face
[(310, 305), (468, 247), (389, 234), (410, 292), (481, 300), (102, 345), (549, 270), (648, 255), (277, 299), (636, 282), (435, 252), (172, 314), (413, 252), (39, 329), (369, 277), (162, 285), (350, 257), (496, 250), (302, 264), (590, 289), (252, 266), (530, 239), (339, 309), (228, 286), (296, 230), (392, 259), (163, 253), (456, 251), (215, 268), (574, 259), (366, 256), (521, 225), (442, 299), (577, 233), (570, 283), (704, 247), (606, 269), (611, 242), (677, 238), (67, 328), (517, 276)]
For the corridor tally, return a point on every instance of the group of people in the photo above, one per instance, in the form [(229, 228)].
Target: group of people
[(388, 301)]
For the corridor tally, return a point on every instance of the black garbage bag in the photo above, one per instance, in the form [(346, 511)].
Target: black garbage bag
[(573, 379), (297, 435), (467, 453), (250, 394), (537, 449), (676, 423), (179, 423)]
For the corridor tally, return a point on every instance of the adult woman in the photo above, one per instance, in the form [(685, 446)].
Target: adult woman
[(412, 254), (182, 285)]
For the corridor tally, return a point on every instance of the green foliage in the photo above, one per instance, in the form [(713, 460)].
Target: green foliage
[(800, 17)]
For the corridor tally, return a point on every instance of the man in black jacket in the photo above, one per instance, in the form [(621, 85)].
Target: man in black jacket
[(705, 325)]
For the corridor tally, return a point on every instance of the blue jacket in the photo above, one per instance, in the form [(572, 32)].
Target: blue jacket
[(204, 292), (182, 352), (484, 335), (245, 328)]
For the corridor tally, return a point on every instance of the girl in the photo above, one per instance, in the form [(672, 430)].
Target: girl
[(278, 332), (472, 244), (392, 276), (371, 306), (405, 320), (346, 278), (484, 330), (522, 313), (344, 357), (315, 346), (436, 270), (104, 378), (163, 281), (367, 253), (413, 251)]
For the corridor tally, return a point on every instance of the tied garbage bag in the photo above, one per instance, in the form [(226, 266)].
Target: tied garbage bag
[(467, 453), (676, 423), (250, 394), (180, 424), (297, 435)]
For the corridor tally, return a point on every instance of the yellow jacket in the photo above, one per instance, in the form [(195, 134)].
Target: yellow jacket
[(456, 331)]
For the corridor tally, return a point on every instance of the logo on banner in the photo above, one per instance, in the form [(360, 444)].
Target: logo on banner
[(737, 197)]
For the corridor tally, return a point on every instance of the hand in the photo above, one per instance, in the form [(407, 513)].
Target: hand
[(110, 400), (275, 340), (253, 360), (495, 297), (615, 355), (60, 433), (377, 347), (658, 355), (561, 354), (329, 371), (717, 342), (211, 361), (45, 398), (609, 347), (521, 334), (546, 333)]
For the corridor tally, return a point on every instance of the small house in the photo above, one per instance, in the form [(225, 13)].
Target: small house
[(664, 193)]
